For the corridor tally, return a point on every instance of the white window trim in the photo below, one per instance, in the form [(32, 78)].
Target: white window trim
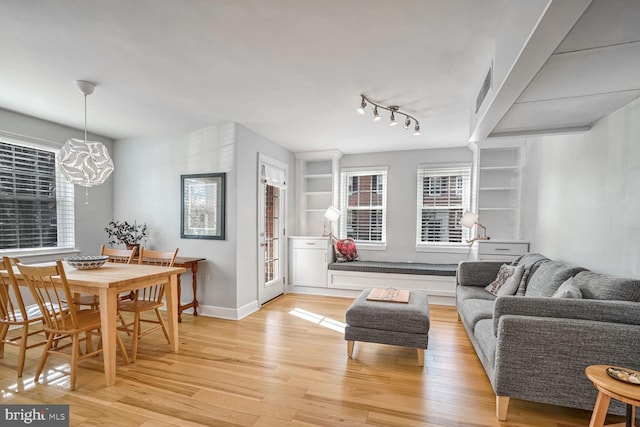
[(62, 187), (359, 171), (442, 247)]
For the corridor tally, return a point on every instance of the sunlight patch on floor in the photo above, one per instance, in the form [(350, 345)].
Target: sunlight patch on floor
[(52, 376), (319, 319)]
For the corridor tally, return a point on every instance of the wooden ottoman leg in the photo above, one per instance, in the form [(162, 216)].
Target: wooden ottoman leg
[(350, 348), (420, 356)]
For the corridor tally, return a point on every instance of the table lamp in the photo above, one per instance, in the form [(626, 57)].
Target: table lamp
[(331, 215), (468, 220)]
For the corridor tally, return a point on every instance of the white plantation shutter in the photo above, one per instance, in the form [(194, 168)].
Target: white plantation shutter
[(363, 196), (36, 203), (444, 194)]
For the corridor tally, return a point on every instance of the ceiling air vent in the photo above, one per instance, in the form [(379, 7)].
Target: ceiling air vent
[(486, 85)]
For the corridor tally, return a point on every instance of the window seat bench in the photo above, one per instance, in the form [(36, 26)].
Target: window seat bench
[(438, 280)]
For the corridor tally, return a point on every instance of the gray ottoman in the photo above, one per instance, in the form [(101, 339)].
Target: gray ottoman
[(394, 323)]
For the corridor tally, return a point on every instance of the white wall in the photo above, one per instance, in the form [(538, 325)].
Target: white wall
[(401, 201), (582, 195), (147, 188), (90, 218), (249, 145)]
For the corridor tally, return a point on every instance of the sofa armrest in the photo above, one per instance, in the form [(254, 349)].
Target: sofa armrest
[(477, 273), (626, 312), (543, 358)]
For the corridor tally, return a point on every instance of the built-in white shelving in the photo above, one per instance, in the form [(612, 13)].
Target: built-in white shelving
[(317, 186), (499, 188)]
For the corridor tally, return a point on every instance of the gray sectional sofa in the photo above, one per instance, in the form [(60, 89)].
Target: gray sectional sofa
[(536, 347)]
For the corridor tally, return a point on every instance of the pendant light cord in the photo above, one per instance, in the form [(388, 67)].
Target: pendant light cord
[(85, 118), (86, 189)]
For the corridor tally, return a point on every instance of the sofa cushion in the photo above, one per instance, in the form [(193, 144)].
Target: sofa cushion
[(606, 287), (507, 280), (568, 290), (548, 278), (472, 310), (531, 262), (473, 292), (483, 331)]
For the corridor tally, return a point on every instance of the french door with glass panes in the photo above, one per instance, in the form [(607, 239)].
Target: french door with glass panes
[(272, 190)]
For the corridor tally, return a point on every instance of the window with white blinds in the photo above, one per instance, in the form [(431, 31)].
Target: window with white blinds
[(444, 195), (364, 204), (36, 203)]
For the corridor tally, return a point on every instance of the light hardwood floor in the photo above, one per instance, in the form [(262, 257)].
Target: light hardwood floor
[(284, 365)]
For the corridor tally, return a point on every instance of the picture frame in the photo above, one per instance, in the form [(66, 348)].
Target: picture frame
[(202, 213)]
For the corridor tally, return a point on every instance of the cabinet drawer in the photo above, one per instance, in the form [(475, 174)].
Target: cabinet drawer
[(319, 243), (506, 248)]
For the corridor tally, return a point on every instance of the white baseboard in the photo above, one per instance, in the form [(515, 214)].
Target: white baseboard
[(225, 312), (352, 293), (252, 307)]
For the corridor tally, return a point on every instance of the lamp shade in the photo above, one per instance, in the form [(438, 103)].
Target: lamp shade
[(469, 219), (332, 214), (85, 163)]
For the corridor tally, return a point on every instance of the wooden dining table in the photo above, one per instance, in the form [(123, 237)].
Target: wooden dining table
[(107, 282)]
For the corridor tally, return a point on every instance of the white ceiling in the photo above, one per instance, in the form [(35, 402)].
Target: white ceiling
[(292, 71)]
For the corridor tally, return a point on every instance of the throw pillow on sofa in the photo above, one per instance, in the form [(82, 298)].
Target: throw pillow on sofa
[(568, 290), (507, 280)]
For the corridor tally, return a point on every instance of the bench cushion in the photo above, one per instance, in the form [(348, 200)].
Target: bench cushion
[(411, 317), (396, 268)]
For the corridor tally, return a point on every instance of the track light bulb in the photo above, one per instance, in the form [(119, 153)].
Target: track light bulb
[(417, 130), (393, 121), (376, 116), (407, 124), (362, 106)]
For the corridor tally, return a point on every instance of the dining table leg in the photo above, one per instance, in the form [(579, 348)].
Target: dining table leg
[(172, 310), (108, 312)]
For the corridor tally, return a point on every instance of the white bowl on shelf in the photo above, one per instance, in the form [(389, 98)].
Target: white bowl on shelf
[(88, 262)]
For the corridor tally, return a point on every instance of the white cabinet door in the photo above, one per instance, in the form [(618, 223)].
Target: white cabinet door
[(309, 260)]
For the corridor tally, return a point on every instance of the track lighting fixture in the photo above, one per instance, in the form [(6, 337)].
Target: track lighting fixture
[(376, 116), (392, 119), (362, 106), (394, 109)]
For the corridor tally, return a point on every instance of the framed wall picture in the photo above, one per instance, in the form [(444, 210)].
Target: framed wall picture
[(202, 213)]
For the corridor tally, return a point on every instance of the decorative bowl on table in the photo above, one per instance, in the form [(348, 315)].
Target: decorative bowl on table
[(88, 262)]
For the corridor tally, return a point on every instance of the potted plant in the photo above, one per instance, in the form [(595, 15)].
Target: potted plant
[(126, 233)]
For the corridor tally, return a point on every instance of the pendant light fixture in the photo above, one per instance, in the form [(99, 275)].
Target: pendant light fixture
[(86, 163), (395, 111)]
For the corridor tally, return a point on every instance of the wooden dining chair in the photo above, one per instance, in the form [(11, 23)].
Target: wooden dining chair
[(15, 314), (49, 287), (121, 256), (147, 299)]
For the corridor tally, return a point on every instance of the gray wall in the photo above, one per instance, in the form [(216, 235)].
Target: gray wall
[(401, 201), (90, 218), (582, 195)]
